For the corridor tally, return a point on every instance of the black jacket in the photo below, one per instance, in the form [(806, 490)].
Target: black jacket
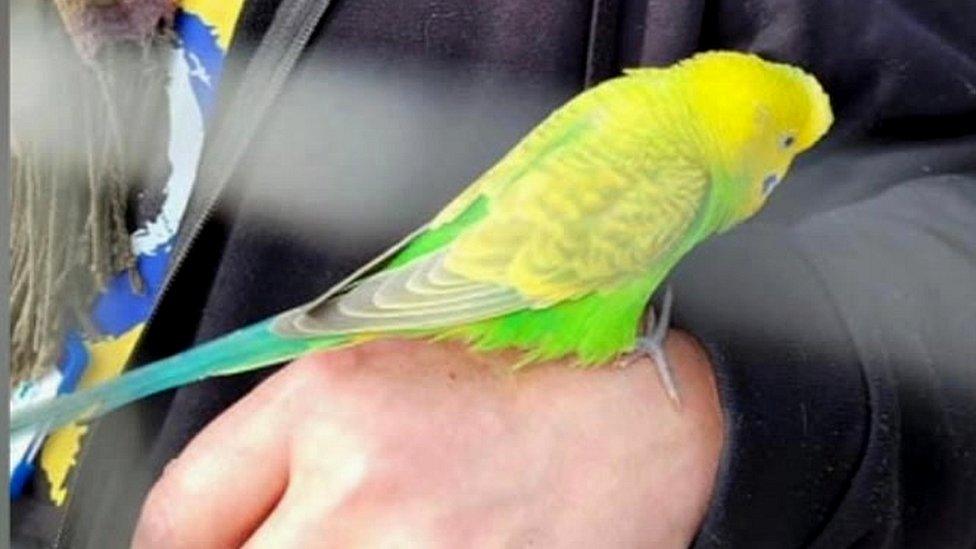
[(841, 321)]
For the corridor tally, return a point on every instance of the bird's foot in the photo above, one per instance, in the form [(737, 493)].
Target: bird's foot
[(651, 345)]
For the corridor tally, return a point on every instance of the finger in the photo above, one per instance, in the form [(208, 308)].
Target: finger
[(227, 479), (327, 468)]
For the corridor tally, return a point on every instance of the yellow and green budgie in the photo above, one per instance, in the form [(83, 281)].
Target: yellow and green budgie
[(555, 250)]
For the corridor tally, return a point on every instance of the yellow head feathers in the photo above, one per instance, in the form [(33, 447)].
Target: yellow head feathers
[(753, 117), (724, 80)]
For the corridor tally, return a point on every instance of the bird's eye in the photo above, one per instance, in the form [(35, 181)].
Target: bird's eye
[(788, 141), (769, 184)]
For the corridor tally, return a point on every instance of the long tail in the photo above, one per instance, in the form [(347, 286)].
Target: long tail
[(246, 349)]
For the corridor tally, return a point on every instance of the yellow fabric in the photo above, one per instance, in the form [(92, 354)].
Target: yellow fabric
[(107, 358), (59, 456), (220, 14)]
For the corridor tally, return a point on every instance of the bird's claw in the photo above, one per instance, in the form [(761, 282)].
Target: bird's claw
[(651, 345)]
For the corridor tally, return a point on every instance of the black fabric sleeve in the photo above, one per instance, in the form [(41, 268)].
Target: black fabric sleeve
[(845, 352)]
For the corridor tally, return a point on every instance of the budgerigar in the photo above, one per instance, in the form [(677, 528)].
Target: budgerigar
[(556, 249)]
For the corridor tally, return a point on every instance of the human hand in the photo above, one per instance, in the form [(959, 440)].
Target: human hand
[(407, 443)]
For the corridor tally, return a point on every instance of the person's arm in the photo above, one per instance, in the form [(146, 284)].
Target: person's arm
[(413, 444), (845, 347)]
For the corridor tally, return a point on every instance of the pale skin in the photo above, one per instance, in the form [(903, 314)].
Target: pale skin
[(415, 444)]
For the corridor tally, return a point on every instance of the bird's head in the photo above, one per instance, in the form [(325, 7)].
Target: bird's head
[(754, 116)]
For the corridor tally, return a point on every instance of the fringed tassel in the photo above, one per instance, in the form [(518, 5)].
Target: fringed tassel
[(72, 172)]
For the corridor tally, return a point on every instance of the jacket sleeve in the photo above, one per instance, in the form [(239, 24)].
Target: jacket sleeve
[(845, 350)]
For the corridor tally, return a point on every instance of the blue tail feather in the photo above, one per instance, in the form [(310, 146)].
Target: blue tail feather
[(245, 349)]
